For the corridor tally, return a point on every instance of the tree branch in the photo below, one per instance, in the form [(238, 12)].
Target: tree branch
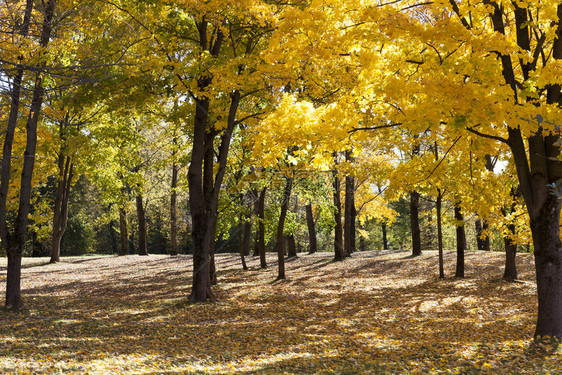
[(375, 127), (483, 135)]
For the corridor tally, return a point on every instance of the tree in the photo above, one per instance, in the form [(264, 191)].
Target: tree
[(350, 212), (313, 244), (522, 104), (461, 239), (280, 241), (14, 243), (338, 234)]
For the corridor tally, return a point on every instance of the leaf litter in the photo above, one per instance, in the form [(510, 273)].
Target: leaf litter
[(374, 313)]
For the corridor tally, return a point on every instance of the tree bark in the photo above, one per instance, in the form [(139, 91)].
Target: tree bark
[(16, 243), (241, 240), (338, 234), (349, 210), (15, 96), (261, 228), (384, 236), (204, 180), (510, 271), (313, 244), (244, 234), (548, 264), (415, 223), (280, 227), (461, 241), (173, 210), (141, 218), (292, 246), (353, 224), (213, 266), (60, 211), (438, 205)]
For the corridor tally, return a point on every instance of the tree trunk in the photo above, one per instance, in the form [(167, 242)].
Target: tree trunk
[(15, 244), (538, 172), (241, 241), (353, 231), (438, 205), (349, 209), (204, 179), (280, 227), (13, 280), (141, 218), (173, 211), (510, 272), (461, 241), (338, 235), (261, 228), (60, 211), (311, 230), (384, 236), (244, 235), (548, 264), (415, 223), (15, 95), (292, 247), (123, 235), (482, 243), (247, 236), (212, 265)]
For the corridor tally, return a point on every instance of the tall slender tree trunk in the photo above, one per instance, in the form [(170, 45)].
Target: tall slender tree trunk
[(415, 208), (15, 96), (247, 236), (60, 211), (244, 234), (16, 243), (260, 235), (173, 210), (241, 241), (280, 227), (415, 223), (13, 282), (461, 241), (510, 270), (438, 205), (313, 244), (141, 218), (353, 224), (204, 179), (123, 235), (349, 211), (338, 234), (384, 236), (482, 243)]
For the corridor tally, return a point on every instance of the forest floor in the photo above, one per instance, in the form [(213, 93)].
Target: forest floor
[(376, 313)]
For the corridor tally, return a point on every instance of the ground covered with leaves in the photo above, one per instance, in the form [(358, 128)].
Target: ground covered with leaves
[(376, 313)]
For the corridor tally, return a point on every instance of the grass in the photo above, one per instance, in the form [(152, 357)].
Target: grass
[(376, 313)]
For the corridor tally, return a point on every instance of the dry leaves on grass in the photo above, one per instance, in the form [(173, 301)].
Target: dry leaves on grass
[(374, 313)]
